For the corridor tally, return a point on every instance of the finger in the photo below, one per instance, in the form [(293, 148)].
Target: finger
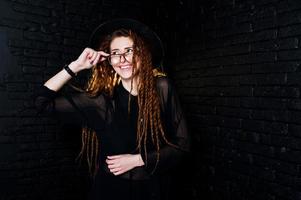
[(93, 57), (110, 162), (103, 56), (115, 165), (115, 170), (96, 59), (89, 52), (88, 49), (118, 172), (111, 167), (84, 54), (103, 53), (102, 59), (114, 157)]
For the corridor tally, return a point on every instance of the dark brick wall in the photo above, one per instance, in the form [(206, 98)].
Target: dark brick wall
[(37, 155), (236, 66), (36, 38), (239, 77)]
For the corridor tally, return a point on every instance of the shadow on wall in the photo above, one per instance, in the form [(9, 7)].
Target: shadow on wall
[(8, 66), (8, 149)]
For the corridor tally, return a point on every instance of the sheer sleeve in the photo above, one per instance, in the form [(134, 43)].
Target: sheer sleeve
[(175, 130), (70, 109)]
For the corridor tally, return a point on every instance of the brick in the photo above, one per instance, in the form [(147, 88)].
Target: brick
[(71, 33), (231, 122), (236, 91), (220, 62), (16, 51), (41, 3), (293, 78), (237, 39), (12, 23), (234, 70), (277, 91), (265, 2), (233, 112), (294, 104), (294, 143), (285, 179), (33, 61), (265, 23), (6, 139), (257, 149), (73, 42), (261, 79), (289, 155), (275, 67), (289, 31), (262, 57), (252, 125), (288, 43), (250, 102), (16, 87), (262, 12), (294, 130), (263, 35), (277, 115), (264, 173), (295, 117), (27, 44), (263, 46), (35, 53), (31, 9), (288, 18), (289, 55), (287, 6), (31, 70), (41, 37), (241, 28), (33, 78)]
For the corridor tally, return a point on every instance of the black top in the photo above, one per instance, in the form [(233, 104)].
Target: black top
[(116, 128)]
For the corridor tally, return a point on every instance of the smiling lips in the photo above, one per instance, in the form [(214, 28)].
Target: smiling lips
[(125, 67)]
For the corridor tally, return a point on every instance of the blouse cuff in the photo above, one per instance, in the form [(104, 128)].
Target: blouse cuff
[(46, 92)]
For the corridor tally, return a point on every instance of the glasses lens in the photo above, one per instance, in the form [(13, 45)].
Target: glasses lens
[(114, 59), (129, 56)]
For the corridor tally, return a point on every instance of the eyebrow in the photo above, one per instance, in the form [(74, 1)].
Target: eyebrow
[(124, 48)]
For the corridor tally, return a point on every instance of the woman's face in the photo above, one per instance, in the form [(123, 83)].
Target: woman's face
[(121, 50)]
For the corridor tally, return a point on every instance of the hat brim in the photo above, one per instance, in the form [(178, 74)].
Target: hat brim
[(153, 40)]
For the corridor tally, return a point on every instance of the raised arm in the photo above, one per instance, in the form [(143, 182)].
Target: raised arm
[(47, 98), (86, 60)]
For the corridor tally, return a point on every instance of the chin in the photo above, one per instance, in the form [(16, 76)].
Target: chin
[(126, 75)]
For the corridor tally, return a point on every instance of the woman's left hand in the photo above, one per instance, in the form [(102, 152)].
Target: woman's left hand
[(119, 164)]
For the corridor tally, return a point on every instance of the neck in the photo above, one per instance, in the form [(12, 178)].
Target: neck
[(127, 85)]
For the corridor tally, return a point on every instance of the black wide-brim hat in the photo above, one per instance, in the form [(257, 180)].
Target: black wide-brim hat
[(108, 27)]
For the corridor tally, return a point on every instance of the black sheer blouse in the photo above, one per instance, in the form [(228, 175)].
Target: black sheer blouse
[(116, 128)]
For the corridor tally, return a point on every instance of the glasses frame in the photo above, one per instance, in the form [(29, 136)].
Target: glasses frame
[(124, 55)]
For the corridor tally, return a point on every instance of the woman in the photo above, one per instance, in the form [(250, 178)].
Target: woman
[(134, 132)]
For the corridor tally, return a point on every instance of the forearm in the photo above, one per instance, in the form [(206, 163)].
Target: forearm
[(139, 159), (86, 60), (56, 82)]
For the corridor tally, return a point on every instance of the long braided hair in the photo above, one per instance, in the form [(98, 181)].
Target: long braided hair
[(104, 79)]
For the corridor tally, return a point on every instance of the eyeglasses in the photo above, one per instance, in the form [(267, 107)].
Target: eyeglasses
[(114, 59)]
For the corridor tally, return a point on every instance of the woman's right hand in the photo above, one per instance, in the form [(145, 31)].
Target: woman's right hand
[(88, 59)]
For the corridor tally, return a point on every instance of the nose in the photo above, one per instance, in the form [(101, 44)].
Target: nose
[(122, 59)]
